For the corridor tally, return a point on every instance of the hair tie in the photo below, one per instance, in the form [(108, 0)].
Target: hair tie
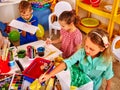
[(104, 39)]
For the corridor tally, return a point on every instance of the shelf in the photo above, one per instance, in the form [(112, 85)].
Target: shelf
[(116, 19), (113, 16), (94, 10)]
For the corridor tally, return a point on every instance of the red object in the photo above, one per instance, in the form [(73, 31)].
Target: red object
[(33, 70), (4, 66), (95, 3), (8, 28), (86, 1)]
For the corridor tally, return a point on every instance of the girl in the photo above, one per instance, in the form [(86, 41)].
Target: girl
[(94, 58), (70, 35), (26, 16)]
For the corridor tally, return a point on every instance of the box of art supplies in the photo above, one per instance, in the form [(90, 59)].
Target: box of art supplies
[(36, 68), (5, 81), (16, 82)]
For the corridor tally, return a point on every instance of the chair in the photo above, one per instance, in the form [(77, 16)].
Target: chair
[(58, 9), (116, 51)]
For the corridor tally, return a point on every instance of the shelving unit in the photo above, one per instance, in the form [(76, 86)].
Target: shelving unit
[(113, 16)]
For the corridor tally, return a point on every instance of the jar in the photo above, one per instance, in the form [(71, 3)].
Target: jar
[(40, 51), (31, 52)]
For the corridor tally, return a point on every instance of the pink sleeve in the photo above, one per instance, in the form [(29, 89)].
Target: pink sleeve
[(78, 39)]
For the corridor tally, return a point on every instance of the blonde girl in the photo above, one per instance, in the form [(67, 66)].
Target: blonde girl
[(95, 59)]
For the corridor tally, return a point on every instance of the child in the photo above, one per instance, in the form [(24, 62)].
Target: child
[(94, 58), (3, 38), (70, 35), (26, 16)]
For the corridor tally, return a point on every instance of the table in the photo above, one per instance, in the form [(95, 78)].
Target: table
[(64, 76), (26, 61)]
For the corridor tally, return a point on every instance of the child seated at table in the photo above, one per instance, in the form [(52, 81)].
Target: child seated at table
[(26, 16), (70, 35)]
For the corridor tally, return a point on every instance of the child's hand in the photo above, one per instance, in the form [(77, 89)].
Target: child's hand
[(31, 34), (23, 33), (29, 23), (48, 41), (44, 77)]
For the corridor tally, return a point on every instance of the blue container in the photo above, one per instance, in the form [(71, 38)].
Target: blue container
[(42, 14), (41, 51)]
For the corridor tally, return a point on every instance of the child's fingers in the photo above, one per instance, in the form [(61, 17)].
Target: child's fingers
[(48, 41), (43, 78)]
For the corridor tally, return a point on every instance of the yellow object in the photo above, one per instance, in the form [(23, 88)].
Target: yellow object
[(50, 84), (113, 16), (86, 29), (89, 22), (59, 59), (35, 85), (73, 88), (40, 31)]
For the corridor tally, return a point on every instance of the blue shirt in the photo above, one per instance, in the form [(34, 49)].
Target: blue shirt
[(96, 68), (29, 38)]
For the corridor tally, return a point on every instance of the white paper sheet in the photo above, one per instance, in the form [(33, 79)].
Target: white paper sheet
[(23, 26)]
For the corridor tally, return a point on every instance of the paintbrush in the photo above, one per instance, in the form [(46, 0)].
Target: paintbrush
[(51, 65)]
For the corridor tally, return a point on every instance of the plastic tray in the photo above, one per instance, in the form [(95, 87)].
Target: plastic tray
[(33, 71)]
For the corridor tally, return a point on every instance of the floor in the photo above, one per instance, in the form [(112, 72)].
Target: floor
[(116, 67)]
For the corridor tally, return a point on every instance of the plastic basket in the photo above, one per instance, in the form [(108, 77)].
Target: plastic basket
[(33, 71)]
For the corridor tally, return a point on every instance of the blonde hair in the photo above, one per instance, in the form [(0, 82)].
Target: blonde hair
[(24, 5), (96, 36)]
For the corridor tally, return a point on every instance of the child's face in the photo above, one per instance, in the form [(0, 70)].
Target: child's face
[(65, 26), (92, 49), (26, 14)]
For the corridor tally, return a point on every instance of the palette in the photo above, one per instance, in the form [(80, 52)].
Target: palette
[(5, 81), (16, 82)]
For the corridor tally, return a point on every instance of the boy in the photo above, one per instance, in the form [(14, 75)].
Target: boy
[(26, 16)]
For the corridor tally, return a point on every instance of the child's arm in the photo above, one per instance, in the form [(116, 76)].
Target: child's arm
[(49, 41), (23, 33), (57, 40), (108, 84), (59, 68)]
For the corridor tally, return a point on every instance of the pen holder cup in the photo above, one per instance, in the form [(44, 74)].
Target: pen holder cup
[(21, 54), (41, 51), (4, 66)]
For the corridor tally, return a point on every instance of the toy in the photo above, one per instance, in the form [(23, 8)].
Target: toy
[(21, 54), (40, 31), (14, 35), (16, 82)]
